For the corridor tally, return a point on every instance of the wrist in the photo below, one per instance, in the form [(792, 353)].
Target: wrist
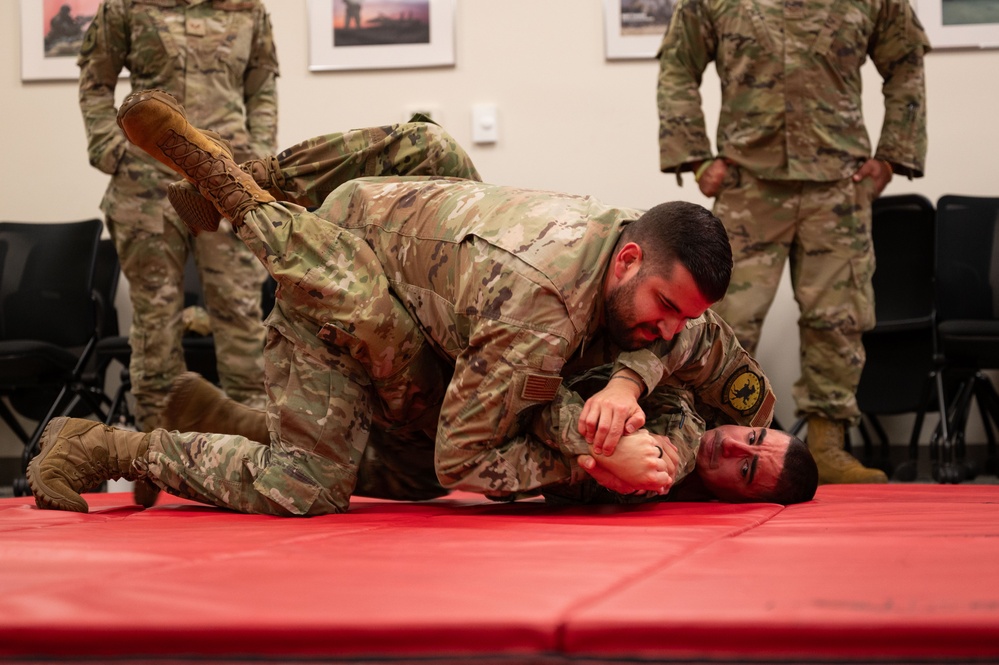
[(699, 173), (621, 376)]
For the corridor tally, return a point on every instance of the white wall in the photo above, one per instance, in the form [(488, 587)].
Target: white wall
[(569, 119)]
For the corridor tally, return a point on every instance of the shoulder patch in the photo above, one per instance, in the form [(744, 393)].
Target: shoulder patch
[(540, 387), (743, 390), (765, 415)]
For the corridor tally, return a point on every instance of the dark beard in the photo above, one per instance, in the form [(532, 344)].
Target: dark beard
[(620, 314)]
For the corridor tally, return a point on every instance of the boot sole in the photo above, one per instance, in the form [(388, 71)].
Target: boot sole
[(39, 489), (192, 210), (161, 96)]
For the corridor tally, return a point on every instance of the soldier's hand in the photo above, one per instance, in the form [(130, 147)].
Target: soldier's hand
[(877, 170), (713, 177), (611, 413), (642, 462), (605, 477)]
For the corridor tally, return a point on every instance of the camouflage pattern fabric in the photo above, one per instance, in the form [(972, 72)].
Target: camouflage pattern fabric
[(824, 229), (708, 380), (309, 171), (791, 85), (792, 132), (419, 333), (218, 59)]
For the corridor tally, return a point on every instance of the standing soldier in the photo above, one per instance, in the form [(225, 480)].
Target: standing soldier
[(794, 176), (218, 58)]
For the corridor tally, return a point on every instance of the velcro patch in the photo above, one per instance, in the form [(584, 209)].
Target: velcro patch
[(195, 27), (766, 412), (541, 387)]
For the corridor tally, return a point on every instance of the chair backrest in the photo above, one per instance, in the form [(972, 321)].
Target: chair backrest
[(967, 260), (46, 281), (900, 348), (903, 231)]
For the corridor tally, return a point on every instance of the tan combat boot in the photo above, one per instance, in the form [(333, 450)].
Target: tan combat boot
[(78, 455), (825, 441), (155, 122), (199, 214), (196, 405)]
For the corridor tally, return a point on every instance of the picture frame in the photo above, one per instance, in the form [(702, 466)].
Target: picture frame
[(49, 50), (634, 29), (953, 24), (384, 34)]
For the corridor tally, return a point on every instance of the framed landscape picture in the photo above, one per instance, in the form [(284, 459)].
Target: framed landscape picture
[(380, 34), (960, 23), (635, 28)]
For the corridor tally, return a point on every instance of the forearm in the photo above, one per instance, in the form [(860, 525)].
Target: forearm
[(683, 57), (262, 115), (486, 440), (903, 134), (101, 62)]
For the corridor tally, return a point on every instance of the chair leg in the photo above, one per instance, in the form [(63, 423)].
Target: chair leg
[(988, 408), (948, 467), (118, 413)]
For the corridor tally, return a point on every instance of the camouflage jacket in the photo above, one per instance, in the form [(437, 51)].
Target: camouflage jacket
[(217, 57), (507, 286), (708, 379), (791, 85)]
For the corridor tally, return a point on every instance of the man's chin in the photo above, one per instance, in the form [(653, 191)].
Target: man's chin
[(633, 342)]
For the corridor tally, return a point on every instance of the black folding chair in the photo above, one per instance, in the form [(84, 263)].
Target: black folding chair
[(967, 301), (50, 321), (900, 374)]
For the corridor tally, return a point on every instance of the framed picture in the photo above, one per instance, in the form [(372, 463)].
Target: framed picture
[(51, 35), (960, 23), (635, 28), (380, 34)]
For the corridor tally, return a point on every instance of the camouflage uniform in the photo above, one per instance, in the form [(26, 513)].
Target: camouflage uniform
[(218, 58), (792, 132), (708, 380), (398, 350), (435, 309)]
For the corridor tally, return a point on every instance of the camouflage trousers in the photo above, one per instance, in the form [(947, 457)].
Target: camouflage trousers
[(329, 394), (824, 230), (311, 170), (153, 247)]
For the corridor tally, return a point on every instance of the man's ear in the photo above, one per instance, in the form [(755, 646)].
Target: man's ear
[(627, 258)]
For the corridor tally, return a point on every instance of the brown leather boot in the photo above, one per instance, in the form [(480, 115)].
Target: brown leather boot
[(196, 405), (155, 122), (825, 441), (199, 214), (78, 455)]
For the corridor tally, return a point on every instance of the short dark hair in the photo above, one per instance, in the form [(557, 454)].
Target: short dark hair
[(800, 477), (688, 233)]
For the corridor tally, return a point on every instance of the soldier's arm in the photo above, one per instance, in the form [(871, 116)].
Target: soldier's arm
[(897, 50), (613, 412), (102, 58), (685, 52), (707, 359), (260, 88), (489, 439)]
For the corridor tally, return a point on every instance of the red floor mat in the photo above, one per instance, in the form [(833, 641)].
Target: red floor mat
[(890, 573)]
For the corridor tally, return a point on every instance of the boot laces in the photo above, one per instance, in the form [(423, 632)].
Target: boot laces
[(211, 172)]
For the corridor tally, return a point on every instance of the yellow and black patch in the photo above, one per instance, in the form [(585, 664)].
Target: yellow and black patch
[(743, 390)]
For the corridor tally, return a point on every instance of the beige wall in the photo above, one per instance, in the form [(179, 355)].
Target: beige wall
[(569, 120)]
